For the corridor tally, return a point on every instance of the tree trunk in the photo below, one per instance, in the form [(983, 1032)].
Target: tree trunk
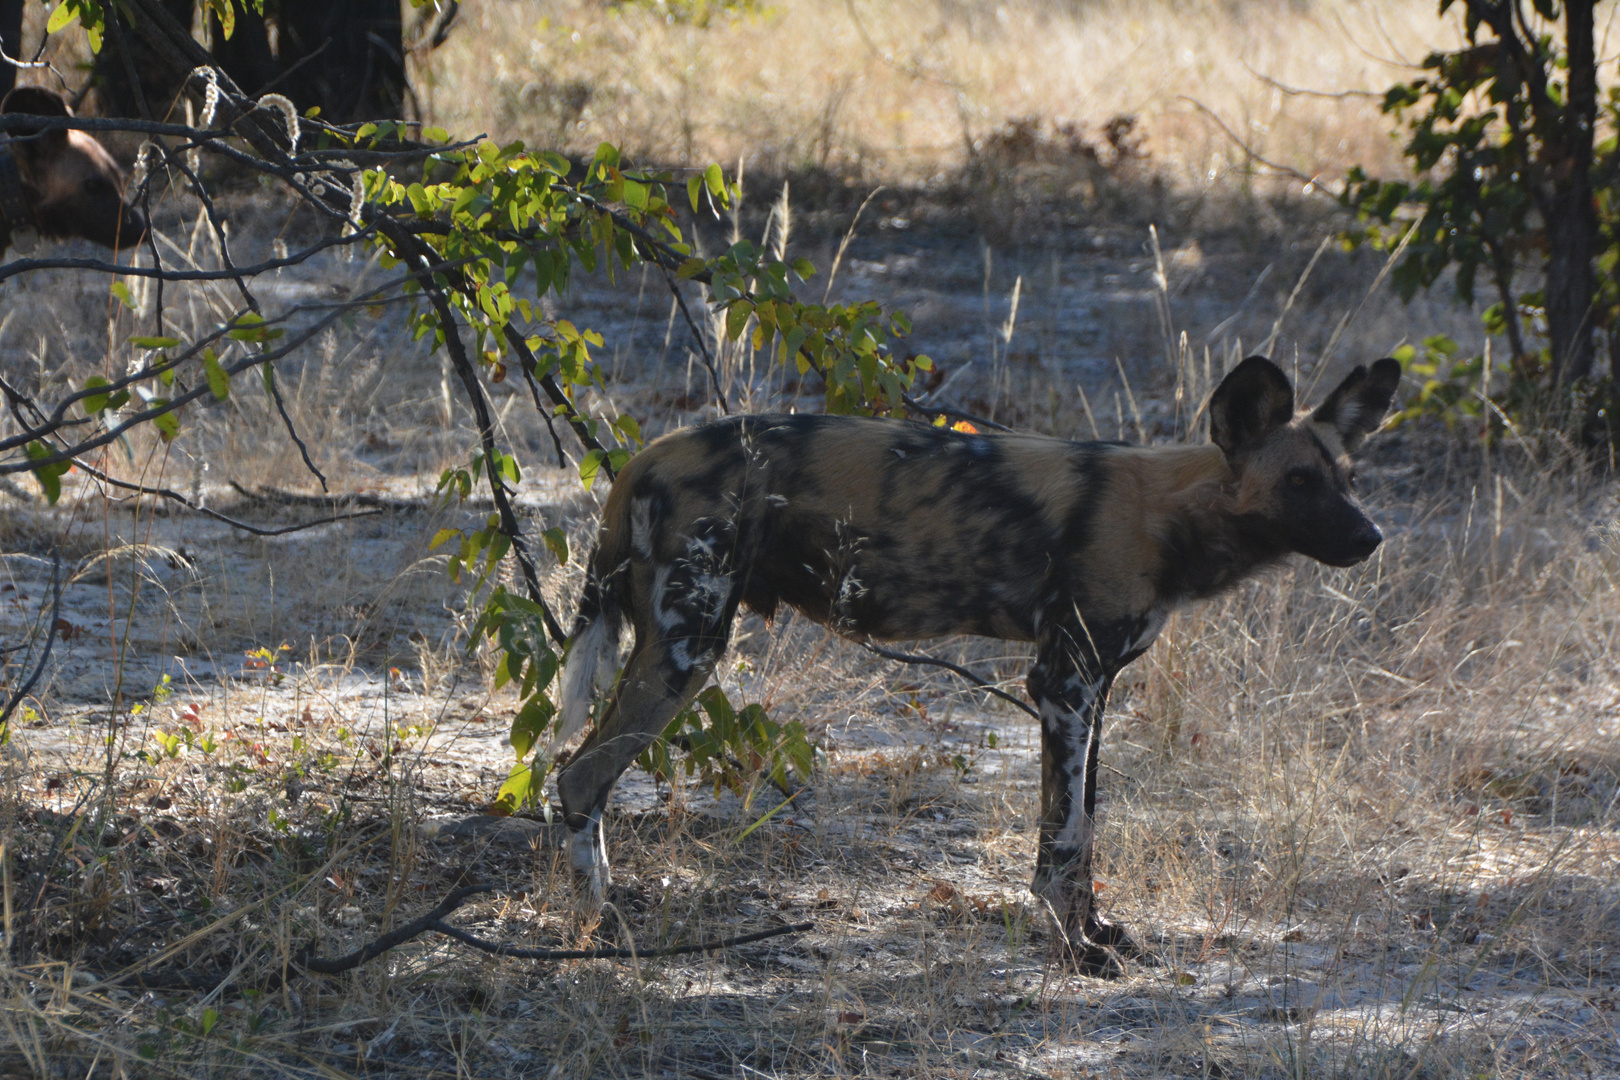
[(246, 55), (1571, 220), (359, 72), (346, 57), (129, 77), (11, 23)]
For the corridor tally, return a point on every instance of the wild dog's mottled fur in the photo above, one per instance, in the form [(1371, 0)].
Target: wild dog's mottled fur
[(890, 530), (71, 184)]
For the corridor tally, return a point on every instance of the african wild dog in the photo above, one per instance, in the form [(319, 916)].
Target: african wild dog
[(886, 529), (59, 183)]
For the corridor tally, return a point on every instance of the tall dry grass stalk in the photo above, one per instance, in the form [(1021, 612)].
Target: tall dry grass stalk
[(903, 90)]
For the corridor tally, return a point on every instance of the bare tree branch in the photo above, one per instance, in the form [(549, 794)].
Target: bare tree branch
[(50, 639), (235, 523), (934, 661), (178, 979)]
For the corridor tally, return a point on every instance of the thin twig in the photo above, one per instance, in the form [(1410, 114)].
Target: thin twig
[(175, 496), (947, 411), (697, 335), (633, 953), (289, 344), (934, 661), (292, 432), (23, 266), (1295, 91), (423, 255), (359, 498), (1310, 182), (50, 639)]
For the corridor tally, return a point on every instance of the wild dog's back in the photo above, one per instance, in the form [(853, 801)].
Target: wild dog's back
[(879, 527)]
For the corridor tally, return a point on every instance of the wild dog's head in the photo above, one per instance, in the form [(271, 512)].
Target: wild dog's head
[(71, 184), (1295, 481)]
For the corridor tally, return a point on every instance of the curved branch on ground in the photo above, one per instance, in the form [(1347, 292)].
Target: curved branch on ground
[(178, 979), (235, 523)]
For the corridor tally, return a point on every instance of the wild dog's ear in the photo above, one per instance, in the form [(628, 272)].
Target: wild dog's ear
[(1357, 406), (1252, 401), (38, 101)]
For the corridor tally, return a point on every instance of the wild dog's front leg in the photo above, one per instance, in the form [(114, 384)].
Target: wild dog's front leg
[(682, 626), (1071, 690), (657, 683)]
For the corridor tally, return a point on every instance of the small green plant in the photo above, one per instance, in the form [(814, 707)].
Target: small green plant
[(723, 746), (1487, 397)]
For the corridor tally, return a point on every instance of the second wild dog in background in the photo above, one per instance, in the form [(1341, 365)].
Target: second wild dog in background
[(57, 183), (895, 530)]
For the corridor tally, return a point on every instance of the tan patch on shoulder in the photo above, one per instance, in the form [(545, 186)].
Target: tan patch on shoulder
[(1043, 466)]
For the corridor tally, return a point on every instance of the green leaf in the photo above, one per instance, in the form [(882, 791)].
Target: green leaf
[(804, 268), (772, 812), (589, 466), (120, 290), (690, 268), (167, 424), (520, 789), (218, 381), (442, 536), (49, 476), (64, 14), (715, 181), (141, 341), (95, 403), (693, 186), (557, 541), (530, 723), (627, 426)]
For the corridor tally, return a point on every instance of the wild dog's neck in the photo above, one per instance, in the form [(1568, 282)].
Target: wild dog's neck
[(1206, 543)]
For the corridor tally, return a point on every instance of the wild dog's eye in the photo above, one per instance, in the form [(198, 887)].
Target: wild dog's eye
[(1301, 478)]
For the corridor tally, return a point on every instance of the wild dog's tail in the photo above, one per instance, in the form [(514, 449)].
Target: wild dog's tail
[(594, 643)]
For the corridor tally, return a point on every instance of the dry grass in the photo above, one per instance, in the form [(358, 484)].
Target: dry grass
[(1365, 819), (898, 92)]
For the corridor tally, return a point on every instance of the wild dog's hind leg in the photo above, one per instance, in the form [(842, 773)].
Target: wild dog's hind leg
[(1070, 688), (683, 612)]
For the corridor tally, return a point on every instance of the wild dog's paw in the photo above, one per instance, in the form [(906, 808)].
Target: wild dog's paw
[(587, 854), (1109, 935), (1085, 958)]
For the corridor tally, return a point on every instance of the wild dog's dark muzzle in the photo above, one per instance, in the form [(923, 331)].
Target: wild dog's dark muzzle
[(1363, 542), (1352, 542)]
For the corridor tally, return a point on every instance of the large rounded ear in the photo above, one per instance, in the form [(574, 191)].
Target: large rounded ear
[(37, 101), (1357, 406), (1253, 401)]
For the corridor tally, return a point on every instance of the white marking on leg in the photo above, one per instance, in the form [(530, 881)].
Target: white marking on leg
[(587, 854), (667, 617), (589, 667), (641, 527), (1075, 832)]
